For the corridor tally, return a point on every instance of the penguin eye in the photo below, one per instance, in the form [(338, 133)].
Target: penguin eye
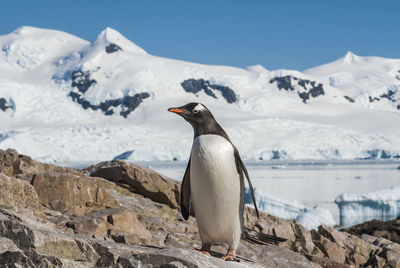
[(195, 111)]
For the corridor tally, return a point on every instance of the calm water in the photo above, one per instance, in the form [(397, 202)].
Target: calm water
[(317, 183)]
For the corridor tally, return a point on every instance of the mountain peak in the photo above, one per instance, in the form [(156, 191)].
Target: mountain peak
[(109, 36), (26, 29), (350, 57)]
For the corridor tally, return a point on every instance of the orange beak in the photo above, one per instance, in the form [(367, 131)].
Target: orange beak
[(176, 110)]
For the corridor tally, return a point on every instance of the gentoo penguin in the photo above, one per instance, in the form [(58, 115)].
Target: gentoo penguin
[(214, 184)]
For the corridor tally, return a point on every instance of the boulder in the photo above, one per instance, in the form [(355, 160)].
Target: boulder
[(18, 194), (140, 180), (330, 249), (14, 164), (71, 193), (119, 224)]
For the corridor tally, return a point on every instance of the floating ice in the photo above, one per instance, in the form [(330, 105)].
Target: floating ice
[(356, 208), (310, 218)]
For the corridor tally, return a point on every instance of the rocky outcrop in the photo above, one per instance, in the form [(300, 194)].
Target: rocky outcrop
[(116, 214), (139, 180), (389, 229), (26, 242), (70, 193), (111, 48), (128, 103), (196, 85), (82, 81), (18, 194), (305, 88), (4, 105), (326, 246)]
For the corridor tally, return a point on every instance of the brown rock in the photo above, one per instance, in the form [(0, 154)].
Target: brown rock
[(126, 221), (15, 193), (71, 193), (303, 237), (12, 164), (92, 224), (119, 224), (39, 245), (389, 229), (140, 180), (358, 259), (331, 250), (7, 159), (393, 258)]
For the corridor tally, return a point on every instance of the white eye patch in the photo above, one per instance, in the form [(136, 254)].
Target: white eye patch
[(198, 108)]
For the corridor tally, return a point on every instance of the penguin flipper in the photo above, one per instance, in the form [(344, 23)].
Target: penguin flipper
[(186, 193), (242, 169)]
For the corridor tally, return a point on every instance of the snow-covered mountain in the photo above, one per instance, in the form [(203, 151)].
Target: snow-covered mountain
[(64, 99)]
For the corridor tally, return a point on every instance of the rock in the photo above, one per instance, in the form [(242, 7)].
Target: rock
[(14, 164), (274, 256), (140, 180), (130, 218), (330, 249), (196, 85), (389, 230), (125, 220), (4, 105), (305, 88), (303, 237), (71, 193), (174, 257), (16, 194), (42, 246), (7, 245), (111, 48), (385, 250), (27, 259), (118, 224), (127, 104)]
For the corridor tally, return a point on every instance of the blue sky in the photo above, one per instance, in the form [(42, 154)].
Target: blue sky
[(275, 34)]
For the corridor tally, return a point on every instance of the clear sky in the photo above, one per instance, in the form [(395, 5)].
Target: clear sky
[(276, 34)]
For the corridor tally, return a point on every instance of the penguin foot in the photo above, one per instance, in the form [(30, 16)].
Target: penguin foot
[(230, 256), (205, 249)]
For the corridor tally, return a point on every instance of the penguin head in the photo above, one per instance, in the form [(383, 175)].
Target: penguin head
[(195, 113)]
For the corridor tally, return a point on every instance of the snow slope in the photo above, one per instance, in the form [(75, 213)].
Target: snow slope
[(67, 100)]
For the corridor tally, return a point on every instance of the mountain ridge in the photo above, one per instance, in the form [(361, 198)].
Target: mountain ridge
[(110, 91)]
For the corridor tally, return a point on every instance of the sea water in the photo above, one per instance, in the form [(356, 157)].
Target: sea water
[(312, 183)]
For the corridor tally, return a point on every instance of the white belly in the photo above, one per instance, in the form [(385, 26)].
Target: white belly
[(215, 189)]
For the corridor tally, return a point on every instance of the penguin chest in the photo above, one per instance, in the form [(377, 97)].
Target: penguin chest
[(215, 189)]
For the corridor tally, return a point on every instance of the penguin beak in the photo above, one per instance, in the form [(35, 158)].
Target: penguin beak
[(176, 110)]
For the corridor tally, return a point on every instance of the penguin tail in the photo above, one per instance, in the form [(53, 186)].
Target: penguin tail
[(260, 238)]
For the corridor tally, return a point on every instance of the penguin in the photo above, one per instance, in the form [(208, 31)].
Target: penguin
[(213, 184)]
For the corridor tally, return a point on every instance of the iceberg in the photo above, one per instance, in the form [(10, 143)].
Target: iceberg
[(357, 208), (310, 218)]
